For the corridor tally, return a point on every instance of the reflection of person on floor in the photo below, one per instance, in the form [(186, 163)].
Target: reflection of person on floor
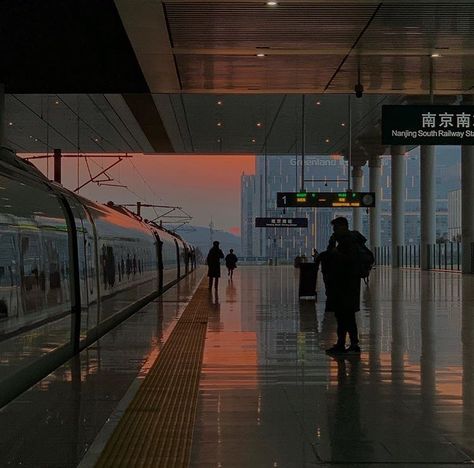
[(213, 262), (214, 320), (230, 292), (340, 264), (231, 263), (347, 435)]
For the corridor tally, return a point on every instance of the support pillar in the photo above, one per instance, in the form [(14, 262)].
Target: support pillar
[(2, 115), (467, 206), (57, 165), (398, 201), (427, 202), (375, 175), (357, 187)]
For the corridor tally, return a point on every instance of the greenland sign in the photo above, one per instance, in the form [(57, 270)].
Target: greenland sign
[(428, 125)]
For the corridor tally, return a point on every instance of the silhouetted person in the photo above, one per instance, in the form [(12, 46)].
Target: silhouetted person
[(341, 272), (315, 255), (213, 262), (231, 263)]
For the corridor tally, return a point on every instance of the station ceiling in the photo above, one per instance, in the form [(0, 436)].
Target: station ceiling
[(173, 61)]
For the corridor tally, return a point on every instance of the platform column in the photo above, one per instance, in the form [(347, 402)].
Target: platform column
[(57, 155), (2, 115), (427, 202), (398, 201), (467, 200), (357, 187), (375, 175)]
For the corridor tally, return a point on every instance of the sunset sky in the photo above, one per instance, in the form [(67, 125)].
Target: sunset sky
[(205, 186)]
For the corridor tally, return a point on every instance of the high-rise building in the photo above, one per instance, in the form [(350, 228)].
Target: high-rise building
[(283, 173), (454, 215)]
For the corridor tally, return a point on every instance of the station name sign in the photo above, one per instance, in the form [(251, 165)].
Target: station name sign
[(428, 125), (281, 222), (326, 199)]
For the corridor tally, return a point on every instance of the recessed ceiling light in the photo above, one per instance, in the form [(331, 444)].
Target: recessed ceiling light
[(260, 55), (10, 123), (96, 139), (436, 55), (219, 124), (343, 124), (272, 3), (56, 102), (318, 103), (218, 140), (253, 140), (219, 103), (259, 124), (327, 140)]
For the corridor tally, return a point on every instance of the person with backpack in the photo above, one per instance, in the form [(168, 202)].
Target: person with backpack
[(343, 265), (231, 263)]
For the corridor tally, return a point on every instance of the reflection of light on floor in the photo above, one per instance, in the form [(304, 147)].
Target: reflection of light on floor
[(230, 361), (449, 379)]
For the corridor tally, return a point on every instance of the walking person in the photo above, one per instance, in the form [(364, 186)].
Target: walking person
[(231, 263), (341, 267), (213, 262)]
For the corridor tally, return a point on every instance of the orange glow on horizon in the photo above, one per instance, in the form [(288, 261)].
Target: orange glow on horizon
[(207, 186)]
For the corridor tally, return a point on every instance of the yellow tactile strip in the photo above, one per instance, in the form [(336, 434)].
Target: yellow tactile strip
[(156, 429)]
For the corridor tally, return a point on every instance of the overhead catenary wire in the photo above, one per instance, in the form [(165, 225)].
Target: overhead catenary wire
[(102, 138), (146, 184), (119, 133), (73, 145), (178, 125), (77, 144), (186, 120), (123, 123)]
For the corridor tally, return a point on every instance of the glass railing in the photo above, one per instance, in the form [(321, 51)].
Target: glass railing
[(445, 256), (409, 256), (382, 255)]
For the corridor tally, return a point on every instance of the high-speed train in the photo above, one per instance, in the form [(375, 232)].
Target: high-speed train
[(64, 256)]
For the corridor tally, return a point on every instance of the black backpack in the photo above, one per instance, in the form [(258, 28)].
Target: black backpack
[(366, 261)]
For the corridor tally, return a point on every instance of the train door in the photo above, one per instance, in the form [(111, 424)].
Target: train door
[(159, 256), (177, 258)]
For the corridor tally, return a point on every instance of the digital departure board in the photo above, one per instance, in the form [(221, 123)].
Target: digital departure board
[(326, 199), (281, 222)]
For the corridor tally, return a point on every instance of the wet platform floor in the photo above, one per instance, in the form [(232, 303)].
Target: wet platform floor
[(56, 422), (271, 397)]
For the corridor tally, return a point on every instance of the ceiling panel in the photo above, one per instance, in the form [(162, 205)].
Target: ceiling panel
[(413, 25), (407, 74), (221, 25), (251, 72), (87, 122), (232, 125)]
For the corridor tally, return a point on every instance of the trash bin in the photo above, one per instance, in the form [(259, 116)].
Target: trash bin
[(308, 276)]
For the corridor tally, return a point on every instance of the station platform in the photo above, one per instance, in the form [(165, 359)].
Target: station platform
[(238, 377)]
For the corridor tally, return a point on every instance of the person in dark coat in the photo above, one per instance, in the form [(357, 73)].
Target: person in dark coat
[(231, 263), (213, 262), (341, 273)]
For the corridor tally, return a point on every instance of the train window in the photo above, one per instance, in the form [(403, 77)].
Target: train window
[(34, 255)]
